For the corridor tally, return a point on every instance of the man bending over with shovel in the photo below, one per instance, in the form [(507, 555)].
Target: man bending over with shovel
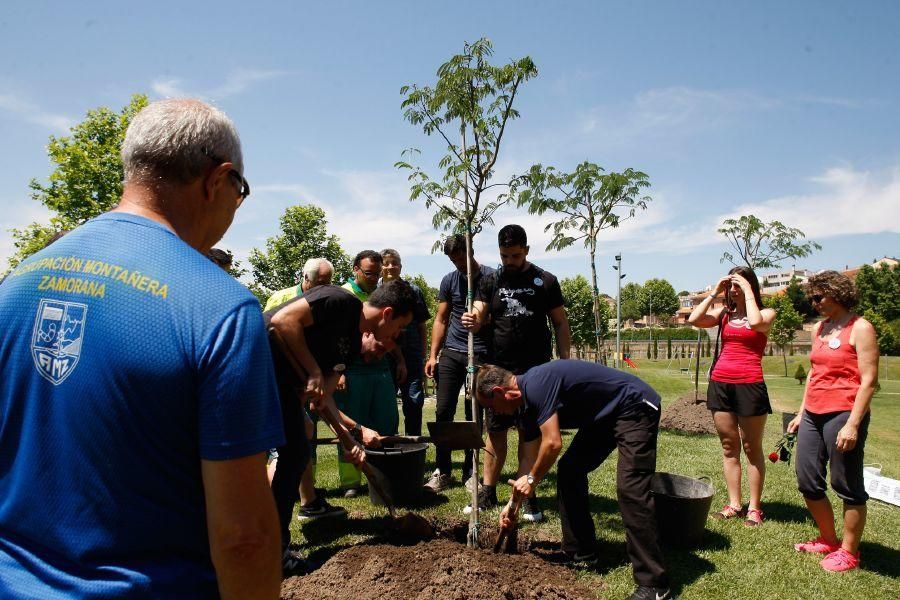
[(313, 338), (610, 409)]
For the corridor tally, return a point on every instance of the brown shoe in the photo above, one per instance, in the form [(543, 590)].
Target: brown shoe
[(728, 512)]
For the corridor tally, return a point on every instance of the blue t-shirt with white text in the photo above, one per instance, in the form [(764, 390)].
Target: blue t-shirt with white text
[(127, 357)]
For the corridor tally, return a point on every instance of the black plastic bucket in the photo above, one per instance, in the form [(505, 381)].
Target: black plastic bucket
[(403, 467), (682, 507)]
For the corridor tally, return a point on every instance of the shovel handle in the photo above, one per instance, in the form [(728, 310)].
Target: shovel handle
[(512, 509), (404, 439)]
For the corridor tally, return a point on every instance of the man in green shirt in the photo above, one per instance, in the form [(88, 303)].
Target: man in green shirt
[(368, 395), (316, 271)]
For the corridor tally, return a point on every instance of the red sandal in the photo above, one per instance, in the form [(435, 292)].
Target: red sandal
[(728, 512), (754, 518)]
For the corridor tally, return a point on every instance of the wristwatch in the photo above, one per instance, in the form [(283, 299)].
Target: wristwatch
[(530, 479)]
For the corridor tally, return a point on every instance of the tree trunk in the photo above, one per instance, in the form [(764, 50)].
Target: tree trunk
[(595, 292), (784, 356)]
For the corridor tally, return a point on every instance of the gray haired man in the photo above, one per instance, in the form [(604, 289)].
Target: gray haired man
[(316, 271), (138, 388)]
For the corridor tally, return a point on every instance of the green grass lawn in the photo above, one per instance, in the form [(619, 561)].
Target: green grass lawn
[(734, 561)]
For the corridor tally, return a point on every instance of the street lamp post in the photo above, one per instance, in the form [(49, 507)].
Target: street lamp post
[(650, 289), (621, 276)]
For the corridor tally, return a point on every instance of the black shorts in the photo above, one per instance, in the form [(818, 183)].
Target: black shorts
[(496, 423), (742, 399)]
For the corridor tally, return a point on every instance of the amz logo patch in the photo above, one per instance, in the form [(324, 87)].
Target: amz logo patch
[(56, 341)]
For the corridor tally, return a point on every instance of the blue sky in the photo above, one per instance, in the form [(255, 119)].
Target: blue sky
[(785, 110)]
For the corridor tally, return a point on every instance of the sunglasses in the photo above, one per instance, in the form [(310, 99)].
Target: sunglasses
[(816, 298), (243, 184)]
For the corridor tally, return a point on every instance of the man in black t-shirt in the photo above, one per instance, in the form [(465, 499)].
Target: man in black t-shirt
[(611, 410), (324, 330), (517, 301)]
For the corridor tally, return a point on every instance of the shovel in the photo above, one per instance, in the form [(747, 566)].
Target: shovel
[(459, 435), (374, 476), (510, 536)]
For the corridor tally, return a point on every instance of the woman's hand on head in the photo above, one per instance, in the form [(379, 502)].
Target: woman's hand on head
[(743, 283), (723, 285)]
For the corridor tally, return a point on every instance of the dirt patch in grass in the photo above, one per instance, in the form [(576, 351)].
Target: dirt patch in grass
[(686, 416), (442, 567)]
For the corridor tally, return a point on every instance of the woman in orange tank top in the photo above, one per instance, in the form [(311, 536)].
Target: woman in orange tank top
[(834, 419), (737, 394)]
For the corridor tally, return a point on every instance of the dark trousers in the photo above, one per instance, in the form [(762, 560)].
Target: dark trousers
[(293, 456), (451, 376), (816, 448), (635, 436), (412, 393)]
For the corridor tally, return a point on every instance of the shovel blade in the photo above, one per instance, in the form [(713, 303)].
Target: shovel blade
[(458, 435)]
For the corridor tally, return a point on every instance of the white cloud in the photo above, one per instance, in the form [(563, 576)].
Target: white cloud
[(32, 113), (373, 209), (236, 82), (850, 202)]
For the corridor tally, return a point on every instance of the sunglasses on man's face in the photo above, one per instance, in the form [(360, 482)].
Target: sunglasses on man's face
[(816, 298)]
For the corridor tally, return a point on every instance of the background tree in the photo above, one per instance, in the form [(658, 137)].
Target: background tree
[(664, 300), (86, 179), (784, 327), (762, 245), (587, 202), (798, 298), (887, 342), (304, 235), (580, 310), (472, 101), (879, 290), (630, 301)]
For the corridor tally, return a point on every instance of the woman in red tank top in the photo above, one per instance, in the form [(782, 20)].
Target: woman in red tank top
[(833, 420), (737, 394)]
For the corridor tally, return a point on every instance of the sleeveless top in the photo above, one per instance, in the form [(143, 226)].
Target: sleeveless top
[(741, 358), (834, 374)]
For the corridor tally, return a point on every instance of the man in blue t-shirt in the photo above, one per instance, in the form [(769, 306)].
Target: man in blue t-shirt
[(610, 409), (451, 341), (138, 397)]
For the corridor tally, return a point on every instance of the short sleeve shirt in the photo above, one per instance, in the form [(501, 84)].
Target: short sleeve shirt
[(411, 342), (581, 393), (334, 336), (454, 290), (127, 357), (519, 304)]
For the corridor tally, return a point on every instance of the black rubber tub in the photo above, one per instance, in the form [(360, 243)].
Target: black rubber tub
[(403, 467), (682, 508)]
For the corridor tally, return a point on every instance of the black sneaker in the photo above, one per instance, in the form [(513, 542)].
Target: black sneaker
[(487, 499), (645, 592), (531, 512), (319, 508), (581, 560), (293, 564)]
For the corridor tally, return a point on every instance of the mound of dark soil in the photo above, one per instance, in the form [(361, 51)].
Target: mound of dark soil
[(686, 416), (440, 568)]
